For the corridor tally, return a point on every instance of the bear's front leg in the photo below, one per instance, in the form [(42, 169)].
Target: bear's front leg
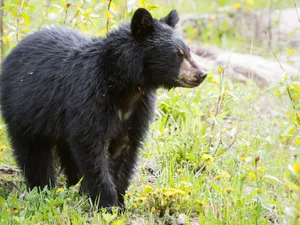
[(123, 168), (89, 148), (137, 127)]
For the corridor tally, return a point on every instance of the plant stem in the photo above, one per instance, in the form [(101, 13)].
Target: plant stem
[(267, 33), (46, 14), (108, 20), (18, 19), (257, 187), (296, 10), (66, 14), (1, 30), (78, 12)]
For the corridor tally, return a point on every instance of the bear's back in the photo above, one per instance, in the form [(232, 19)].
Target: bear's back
[(35, 77), (45, 45)]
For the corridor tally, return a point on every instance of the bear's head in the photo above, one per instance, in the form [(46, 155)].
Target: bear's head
[(167, 59)]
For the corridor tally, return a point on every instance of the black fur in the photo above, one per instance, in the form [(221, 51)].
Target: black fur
[(90, 98), (141, 24), (171, 19)]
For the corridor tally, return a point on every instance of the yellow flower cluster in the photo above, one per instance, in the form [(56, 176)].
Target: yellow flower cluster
[(207, 158), (59, 190)]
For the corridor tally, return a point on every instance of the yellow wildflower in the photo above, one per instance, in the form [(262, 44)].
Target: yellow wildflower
[(59, 190), (220, 69), (207, 158), (249, 2), (141, 199), (237, 5), (218, 177), (297, 168), (225, 174), (214, 80), (202, 203), (228, 190), (6, 38)]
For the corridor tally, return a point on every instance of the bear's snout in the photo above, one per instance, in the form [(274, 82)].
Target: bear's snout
[(190, 73), (201, 75)]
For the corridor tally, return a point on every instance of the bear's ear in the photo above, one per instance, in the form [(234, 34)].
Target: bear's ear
[(141, 23), (171, 19)]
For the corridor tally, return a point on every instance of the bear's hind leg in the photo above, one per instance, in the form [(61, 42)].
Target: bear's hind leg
[(94, 165), (68, 163), (35, 159)]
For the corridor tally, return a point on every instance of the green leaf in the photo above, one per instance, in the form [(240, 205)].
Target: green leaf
[(92, 22), (26, 18), (296, 85), (215, 186), (107, 217), (2, 201), (289, 131), (8, 6), (119, 222), (270, 177), (224, 26), (14, 13), (57, 6), (152, 6), (272, 202), (201, 218), (221, 151), (291, 185), (113, 6), (232, 95), (148, 189), (143, 3), (290, 51), (26, 5), (222, 3), (89, 11)]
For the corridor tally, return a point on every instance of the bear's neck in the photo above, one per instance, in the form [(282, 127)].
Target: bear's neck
[(123, 60), (120, 60)]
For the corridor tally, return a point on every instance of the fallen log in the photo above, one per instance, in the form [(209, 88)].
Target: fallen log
[(244, 67)]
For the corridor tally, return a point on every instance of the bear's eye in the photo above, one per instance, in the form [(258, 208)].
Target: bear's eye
[(180, 53)]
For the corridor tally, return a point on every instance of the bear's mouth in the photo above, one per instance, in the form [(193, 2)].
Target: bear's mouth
[(188, 84)]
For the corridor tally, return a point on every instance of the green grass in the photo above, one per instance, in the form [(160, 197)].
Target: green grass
[(223, 153), (234, 188), (91, 17)]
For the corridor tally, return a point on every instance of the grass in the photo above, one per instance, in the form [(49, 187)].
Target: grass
[(223, 153), (243, 147)]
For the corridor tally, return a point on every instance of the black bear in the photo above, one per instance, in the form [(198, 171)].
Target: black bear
[(90, 99)]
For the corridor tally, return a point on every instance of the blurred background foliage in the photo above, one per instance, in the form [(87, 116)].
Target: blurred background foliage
[(90, 16)]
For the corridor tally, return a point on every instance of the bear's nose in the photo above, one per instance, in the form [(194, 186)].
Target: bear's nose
[(202, 75)]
